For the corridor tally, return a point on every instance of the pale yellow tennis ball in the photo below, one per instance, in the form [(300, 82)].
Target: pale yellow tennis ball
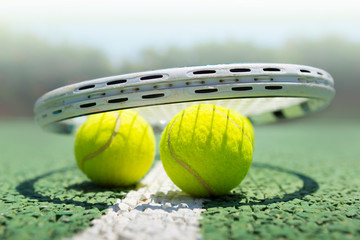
[(207, 150), (115, 148)]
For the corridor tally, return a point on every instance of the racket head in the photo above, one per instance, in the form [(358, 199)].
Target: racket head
[(264, 92)]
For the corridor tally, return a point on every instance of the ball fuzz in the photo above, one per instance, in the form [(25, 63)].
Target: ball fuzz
[(206, 150), (115, 148)]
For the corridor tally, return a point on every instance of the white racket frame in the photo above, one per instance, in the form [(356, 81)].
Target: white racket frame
[(315, 88)]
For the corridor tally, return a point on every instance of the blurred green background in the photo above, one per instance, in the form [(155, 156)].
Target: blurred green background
[(48, 45), (30, 66)]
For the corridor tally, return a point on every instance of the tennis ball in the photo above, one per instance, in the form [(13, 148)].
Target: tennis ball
[(115, 148), (206, 150)]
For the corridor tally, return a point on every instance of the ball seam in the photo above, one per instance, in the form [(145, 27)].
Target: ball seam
[(107, 144), (188, 168)]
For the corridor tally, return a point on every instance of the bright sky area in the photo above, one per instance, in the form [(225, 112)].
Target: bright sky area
[(124, 28)]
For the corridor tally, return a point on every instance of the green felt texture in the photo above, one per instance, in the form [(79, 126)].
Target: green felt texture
[(115, 148), (303, 184), (206, 150)]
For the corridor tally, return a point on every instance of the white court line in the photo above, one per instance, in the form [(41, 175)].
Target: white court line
[(155, 210)]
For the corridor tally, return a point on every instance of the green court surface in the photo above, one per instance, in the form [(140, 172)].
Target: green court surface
[(304, 184)]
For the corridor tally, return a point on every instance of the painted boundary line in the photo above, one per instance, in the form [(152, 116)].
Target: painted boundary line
[(156, 210)]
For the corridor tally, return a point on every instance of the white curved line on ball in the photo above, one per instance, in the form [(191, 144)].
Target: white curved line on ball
[(116, 129), (191, 171)]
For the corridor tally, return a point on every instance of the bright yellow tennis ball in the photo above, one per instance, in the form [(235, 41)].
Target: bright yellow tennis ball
[(115, 148), (207, 150)]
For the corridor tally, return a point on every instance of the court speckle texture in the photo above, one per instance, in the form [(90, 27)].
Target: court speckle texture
[(303, 184), (42, 193)]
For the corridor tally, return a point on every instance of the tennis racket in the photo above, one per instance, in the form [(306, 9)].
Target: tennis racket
[(264, 92)]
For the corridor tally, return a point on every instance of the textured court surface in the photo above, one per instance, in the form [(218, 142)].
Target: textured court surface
[(156, 209), (304, 183)]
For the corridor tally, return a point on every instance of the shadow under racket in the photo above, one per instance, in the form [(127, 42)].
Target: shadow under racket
[(265, 184)]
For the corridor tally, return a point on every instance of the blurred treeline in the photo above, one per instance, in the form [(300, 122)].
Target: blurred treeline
[(30, 66)]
